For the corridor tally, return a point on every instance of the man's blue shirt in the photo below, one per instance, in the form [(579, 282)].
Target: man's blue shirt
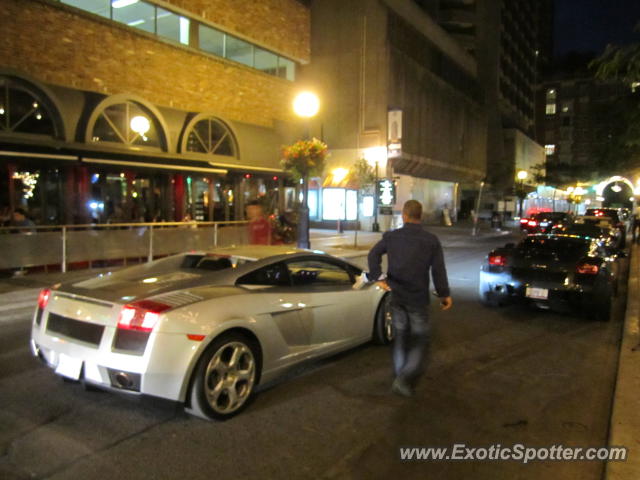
[(411, 253)]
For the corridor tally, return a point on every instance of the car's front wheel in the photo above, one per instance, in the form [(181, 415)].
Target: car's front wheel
[(383, 323), (224, 378)]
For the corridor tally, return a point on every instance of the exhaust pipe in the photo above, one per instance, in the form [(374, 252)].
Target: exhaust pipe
[(123, 380)]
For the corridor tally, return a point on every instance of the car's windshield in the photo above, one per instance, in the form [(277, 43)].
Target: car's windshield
[(549, 216), (553, 248)]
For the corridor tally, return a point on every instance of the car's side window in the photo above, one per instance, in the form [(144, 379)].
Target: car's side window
[(318, 272), (275, 275)]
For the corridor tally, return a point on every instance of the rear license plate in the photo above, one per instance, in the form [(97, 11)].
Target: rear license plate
[(69, 367), (539, 293)]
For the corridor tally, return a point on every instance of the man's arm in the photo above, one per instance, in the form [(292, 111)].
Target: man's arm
[(439, 274), (374, 260)]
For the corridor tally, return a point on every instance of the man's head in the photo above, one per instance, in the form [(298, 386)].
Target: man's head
[(19, 214), (412, 212)]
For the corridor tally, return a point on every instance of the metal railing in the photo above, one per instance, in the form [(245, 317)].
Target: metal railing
[(24, 247)]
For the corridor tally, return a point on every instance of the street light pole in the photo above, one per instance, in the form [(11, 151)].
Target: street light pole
[(305, 105), (522, 174), (376, 226)]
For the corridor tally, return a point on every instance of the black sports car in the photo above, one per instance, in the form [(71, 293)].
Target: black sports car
[(565, 273)]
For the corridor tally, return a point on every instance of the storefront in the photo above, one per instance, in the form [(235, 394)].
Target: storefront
[(127, 161)]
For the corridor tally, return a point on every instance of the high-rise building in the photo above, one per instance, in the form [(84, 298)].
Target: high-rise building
[(398, 91)]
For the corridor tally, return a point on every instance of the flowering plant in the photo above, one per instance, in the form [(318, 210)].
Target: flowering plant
[(304, 158)]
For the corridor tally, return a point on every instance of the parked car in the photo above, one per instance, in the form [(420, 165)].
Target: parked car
[(559, 272), (613, 214), (543, 222), (206, 328), (617, 232), (600, 230)]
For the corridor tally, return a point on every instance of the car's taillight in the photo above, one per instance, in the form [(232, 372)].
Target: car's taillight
[(497, 260), (524, 220), (141, 316), (587, 268), (43, 298), (532, 223)]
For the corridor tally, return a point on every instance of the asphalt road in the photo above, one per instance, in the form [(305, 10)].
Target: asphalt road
[(496, 376)]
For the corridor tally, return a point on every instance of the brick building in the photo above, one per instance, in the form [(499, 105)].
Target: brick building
[(126, 110)]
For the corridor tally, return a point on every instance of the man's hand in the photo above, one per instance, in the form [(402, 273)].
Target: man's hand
[(383, 285), (446, 303)]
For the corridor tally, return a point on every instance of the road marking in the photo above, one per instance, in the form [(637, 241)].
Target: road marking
[(18, 299)]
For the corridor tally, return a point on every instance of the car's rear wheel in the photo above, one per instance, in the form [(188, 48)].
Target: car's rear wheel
[(383, 323), (224, 378)]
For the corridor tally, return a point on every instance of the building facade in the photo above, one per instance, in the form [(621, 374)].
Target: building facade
[(147, 110), (512, 43), (397, 91)]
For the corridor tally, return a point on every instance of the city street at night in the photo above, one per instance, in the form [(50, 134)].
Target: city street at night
[(507, 376)]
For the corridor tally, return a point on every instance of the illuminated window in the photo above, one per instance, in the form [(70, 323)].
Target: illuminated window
[(23, 111), (128, 123), (151, 18), (551, 109), (549, 149)]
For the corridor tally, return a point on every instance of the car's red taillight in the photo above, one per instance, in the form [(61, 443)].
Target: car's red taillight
[(497, 260), (142, 315), (43, 298), (587, 268), (532, 223)]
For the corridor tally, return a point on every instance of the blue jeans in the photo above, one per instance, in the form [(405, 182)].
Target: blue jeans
[(411, 340)]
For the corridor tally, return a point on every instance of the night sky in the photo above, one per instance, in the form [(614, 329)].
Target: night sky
[(589, 25)]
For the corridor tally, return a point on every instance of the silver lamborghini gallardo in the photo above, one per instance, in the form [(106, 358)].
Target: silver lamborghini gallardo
[(204, 328)]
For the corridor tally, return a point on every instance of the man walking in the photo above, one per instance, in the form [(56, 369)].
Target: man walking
[(412, 253)]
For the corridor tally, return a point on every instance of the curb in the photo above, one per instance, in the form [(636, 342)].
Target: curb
[(624, 426)]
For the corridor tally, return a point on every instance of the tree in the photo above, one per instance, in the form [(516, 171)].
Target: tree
[(618, 147)]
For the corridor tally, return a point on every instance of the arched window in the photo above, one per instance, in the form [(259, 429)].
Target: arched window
[(24, 110), (127, 122), (210, 136)]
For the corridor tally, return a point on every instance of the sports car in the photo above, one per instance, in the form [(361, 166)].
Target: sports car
[(205, 328), (559, 272)]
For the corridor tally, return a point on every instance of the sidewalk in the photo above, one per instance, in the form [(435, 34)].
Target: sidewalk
[(624, 430)]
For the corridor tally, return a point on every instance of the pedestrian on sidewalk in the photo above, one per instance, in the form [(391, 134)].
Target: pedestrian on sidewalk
[(412, 254)]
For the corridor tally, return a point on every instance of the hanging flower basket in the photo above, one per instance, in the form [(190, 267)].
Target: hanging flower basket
[(304, 158)]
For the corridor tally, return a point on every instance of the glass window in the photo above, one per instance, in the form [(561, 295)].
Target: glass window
[(333, 204), (551, 95), (286, 69), (239, 51), (317, 272), (352, 204), (266, 61), (275, 275), (312, 203), (212, 137), (98, 7), (549, 149), (211, 40), (23, 112), (140, 15), (127, 123), (172, 26), (551, 109)]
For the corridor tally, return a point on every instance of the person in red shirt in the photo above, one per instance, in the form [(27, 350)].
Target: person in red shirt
[(259, 225)]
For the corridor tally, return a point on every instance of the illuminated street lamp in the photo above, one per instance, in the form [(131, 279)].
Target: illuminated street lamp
[(522, 175), (306, 106)]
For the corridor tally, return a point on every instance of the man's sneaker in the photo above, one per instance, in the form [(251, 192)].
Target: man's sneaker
[(399, 387)]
